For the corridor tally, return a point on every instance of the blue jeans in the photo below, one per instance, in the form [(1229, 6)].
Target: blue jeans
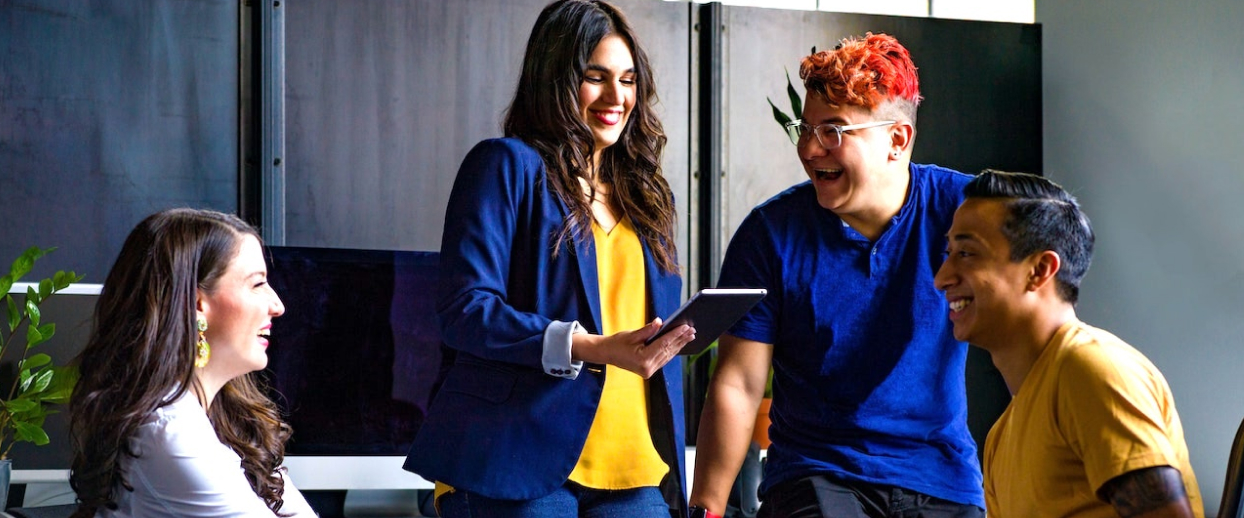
[(569, 501)]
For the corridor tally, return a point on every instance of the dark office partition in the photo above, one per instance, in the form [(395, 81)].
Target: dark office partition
[(981, 83), (385, 97), (111, 110)]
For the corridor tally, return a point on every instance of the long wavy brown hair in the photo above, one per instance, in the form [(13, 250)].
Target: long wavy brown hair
[(546, 114), (140, 355)]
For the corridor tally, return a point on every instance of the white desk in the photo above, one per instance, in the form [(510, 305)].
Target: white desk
[(377, 482)]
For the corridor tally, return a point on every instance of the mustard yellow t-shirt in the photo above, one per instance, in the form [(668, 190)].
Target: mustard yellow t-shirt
[(619, 453), (1091, 409)]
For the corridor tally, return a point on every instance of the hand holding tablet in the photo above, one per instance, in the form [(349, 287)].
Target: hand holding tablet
[(711, 312)]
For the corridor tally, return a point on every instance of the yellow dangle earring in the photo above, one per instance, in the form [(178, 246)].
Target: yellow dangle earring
[(203, 352)]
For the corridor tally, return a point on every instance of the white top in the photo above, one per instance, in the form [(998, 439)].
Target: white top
[(184, 470)]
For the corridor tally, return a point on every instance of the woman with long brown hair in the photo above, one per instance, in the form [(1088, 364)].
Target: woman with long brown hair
[(167, 418), (557, 255)]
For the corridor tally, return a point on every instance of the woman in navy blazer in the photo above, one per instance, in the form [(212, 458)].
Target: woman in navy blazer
[(519, 300)]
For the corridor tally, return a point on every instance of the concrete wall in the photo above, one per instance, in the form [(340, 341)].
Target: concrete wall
[(1143, 122)]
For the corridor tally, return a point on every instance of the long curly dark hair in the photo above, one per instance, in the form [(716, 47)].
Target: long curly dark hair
[(546, 114), (140, 357)]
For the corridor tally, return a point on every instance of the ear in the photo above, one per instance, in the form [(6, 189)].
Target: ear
[(1045, 266), (201, 305), (902, 134)]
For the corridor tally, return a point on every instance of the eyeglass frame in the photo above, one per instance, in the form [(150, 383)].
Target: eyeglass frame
[(838, 129)]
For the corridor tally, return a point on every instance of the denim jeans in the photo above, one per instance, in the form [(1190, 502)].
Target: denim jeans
[(819, 496), (569, 501)]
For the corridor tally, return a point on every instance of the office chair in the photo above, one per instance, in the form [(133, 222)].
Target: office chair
[(1234, 485), (744, 500), (51, 511)]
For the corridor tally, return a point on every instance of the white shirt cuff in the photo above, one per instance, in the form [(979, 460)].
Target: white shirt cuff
[(557, 342)]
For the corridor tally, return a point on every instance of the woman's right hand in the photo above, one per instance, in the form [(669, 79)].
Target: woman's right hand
[(627, 349)]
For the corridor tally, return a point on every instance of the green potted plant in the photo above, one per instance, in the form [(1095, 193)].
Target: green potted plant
[(796, 103), (38, 384)]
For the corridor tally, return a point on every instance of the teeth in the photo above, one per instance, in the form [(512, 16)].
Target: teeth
[(828, 174), (610, 117), (265, 332), (958, 305)]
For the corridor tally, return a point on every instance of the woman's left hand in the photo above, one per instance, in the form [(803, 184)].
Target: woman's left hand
[(627, 349)]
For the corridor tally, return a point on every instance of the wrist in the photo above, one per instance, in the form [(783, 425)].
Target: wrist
[(585, 347), (700, 512)]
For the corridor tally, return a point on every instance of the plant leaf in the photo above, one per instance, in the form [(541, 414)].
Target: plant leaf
[(41, 382), (30, 432), (37, 360), (13, 314), (32, 312), (45, 332), (45, 288), (33, 337), (6, 284), (780, 117), (63, 279), (19, 405), (796, 103), (58, 396), (23, 264), (32, 295), (61, 388)]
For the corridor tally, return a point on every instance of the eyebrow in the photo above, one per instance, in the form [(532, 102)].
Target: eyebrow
[(836, 120), (601, 68), (962, 236)]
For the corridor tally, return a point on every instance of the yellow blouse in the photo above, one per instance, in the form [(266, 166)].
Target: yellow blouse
[(619, 453)]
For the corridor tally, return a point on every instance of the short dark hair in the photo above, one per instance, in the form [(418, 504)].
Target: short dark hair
[(1041, 216)]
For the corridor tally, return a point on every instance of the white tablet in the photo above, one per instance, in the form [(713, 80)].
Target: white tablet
[(711, 312)]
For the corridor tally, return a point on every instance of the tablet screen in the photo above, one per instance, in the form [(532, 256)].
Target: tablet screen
[(711, 312)]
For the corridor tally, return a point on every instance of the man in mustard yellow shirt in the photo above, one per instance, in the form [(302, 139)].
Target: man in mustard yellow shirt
[(1092, 428)]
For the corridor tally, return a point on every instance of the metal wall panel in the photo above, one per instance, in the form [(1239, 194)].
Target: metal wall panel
[(981, 83), (111, 110), (385, 98)]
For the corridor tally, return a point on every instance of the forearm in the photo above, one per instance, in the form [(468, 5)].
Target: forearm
[(1156, 492), (726, 425), (587, 347)]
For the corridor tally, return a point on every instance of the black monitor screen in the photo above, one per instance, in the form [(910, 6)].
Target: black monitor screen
[(354, 359)]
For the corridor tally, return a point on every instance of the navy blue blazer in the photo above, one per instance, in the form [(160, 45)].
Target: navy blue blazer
[(499, 425)]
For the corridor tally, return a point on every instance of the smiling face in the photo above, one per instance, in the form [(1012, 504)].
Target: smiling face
[(239, 310), (985, 289), (607, 93), (858, 178)]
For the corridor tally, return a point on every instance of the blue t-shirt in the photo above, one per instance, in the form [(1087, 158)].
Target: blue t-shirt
[(868, 379)]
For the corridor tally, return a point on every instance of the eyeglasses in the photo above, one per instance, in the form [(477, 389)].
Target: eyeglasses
[(828, 135)]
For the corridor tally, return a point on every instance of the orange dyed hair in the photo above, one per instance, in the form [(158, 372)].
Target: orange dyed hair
[(866, 72)]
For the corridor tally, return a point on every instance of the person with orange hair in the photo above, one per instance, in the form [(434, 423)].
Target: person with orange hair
[(869, 405)]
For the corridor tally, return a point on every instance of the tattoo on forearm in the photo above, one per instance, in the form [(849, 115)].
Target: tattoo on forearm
[(1138, 492)]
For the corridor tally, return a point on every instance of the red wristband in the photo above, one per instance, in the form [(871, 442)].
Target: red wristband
[(700, 512)]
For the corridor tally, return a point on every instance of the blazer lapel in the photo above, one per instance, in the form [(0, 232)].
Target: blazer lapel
[(585, 253)]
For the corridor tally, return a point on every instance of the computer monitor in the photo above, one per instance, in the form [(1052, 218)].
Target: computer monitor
[(353, 362)]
